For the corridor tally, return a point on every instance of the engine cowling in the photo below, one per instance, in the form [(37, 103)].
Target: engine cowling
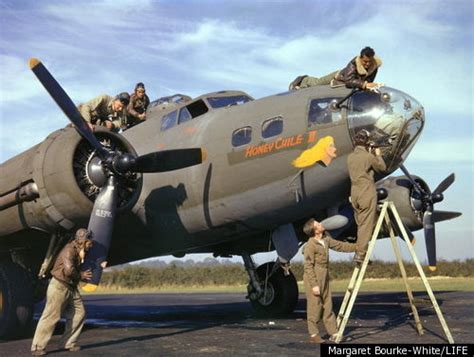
[(64, 170), (407, 200)]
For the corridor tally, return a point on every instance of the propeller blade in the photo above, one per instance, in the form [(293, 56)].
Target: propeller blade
[(66, 104), (168, 160), (443, 186), (439, 216), (101, 225), (413, 182), (430, 239)]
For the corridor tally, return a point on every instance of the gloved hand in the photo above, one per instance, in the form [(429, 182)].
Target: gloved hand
[(297, 82)]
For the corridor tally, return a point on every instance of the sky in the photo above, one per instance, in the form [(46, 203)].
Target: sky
[(196, 47)]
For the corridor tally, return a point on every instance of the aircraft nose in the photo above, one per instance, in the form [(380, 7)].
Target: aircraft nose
[(393, 118)]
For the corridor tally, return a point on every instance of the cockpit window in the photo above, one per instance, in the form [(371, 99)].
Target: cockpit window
[(272, 127), (321, 113), (169, 120), (172, 99), (197, 108), (219, 102), (393, 118), (184, 115), (242, 136)]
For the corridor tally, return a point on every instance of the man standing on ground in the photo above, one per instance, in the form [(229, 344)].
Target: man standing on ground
[(63, 296), (316, 279)]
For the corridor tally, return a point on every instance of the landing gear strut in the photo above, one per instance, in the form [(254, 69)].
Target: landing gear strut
[(271, 290), (16, 301)]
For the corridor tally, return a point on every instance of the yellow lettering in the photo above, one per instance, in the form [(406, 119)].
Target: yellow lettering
[(312, 136), (278, 144), (248, 152)]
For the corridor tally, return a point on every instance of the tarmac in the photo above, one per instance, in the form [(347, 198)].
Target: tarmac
[(222, 324)]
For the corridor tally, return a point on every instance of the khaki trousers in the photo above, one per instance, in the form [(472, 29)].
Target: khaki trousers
[(313, 81), (60, 299), (318, 307), (365, 211)]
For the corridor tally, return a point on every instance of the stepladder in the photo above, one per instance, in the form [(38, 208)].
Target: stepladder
[(393, 223)]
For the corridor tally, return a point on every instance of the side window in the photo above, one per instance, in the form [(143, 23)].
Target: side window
[(184, 115), (169, 120), (272, 127), (242, 136), (320, 112)]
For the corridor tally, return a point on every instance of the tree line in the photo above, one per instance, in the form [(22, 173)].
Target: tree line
[(234, 274)]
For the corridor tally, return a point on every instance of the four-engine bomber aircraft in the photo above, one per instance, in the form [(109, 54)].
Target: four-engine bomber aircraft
[(222, 173)]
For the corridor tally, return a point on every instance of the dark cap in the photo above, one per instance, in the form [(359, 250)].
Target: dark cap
[(139, 85), (362, 137), (124, 98), (82, 234)]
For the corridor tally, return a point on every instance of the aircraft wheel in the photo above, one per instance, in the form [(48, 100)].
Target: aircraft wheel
[(16, 301), (280, 292)]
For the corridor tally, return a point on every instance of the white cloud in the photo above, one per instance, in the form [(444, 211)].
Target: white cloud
[(109, 46), (17, 83), (107, 14)]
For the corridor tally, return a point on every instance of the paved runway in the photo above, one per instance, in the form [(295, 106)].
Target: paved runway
[(222, 324)]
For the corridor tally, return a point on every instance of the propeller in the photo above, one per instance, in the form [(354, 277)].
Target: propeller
[(112, 164), (428, 199), (66, 104)]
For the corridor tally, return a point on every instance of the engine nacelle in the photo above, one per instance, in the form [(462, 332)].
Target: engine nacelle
[(406, 199), (62, 170)]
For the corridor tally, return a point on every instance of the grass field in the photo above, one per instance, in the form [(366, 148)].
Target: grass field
[(388, 285)]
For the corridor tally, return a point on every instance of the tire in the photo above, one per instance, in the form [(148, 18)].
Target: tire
[(16, 301), (281, 294)]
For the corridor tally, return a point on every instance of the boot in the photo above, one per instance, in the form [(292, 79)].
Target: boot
[(316, 339)]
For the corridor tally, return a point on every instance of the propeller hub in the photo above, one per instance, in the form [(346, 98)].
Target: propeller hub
[(123, 162), (437, 197), (96, 172)]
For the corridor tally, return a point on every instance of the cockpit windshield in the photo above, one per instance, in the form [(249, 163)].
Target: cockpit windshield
[(393, 118), (219, 102)]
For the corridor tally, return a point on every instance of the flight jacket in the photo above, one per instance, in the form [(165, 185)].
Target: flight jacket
[(354, 75), (66, 268)]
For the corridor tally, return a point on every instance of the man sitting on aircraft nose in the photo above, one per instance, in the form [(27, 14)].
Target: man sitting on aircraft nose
[(362, 163), (316, 278), (63, 296), (360, 73), (106, 111)]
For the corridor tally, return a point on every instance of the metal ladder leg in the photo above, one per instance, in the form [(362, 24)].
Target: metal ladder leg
[(350, 289), (396, 249), (422, 275), (361, 274)]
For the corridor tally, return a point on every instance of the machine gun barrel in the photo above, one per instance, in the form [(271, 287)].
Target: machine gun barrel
[(27, 192)]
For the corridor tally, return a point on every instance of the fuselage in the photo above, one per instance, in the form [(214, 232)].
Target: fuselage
[(249, 183), (244, 189)]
